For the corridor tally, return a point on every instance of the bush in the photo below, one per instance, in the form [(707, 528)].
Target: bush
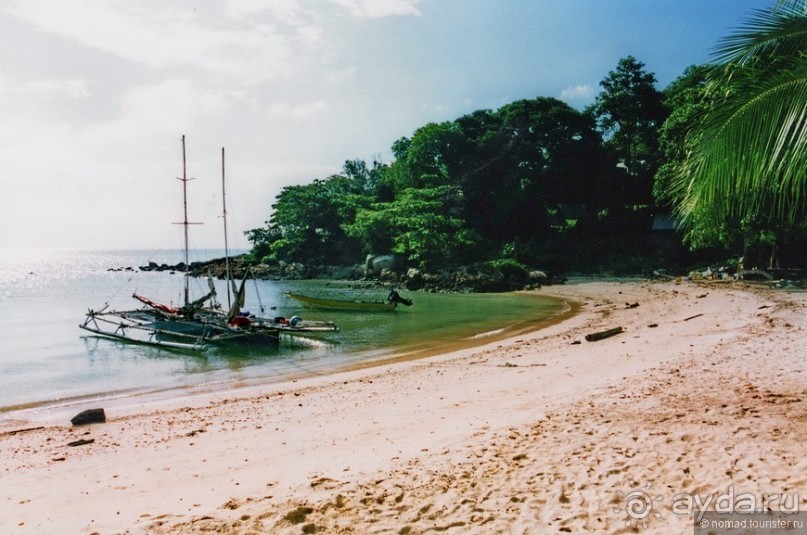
[(513, 271), (503, 274)]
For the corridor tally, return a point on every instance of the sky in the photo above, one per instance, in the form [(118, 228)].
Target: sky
[(95, 95)]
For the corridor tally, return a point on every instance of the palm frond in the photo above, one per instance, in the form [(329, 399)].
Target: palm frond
[(748, 156), (752, 152), (781, 32)]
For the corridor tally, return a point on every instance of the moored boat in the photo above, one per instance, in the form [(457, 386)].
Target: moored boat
[(191, 326), (351, 305)]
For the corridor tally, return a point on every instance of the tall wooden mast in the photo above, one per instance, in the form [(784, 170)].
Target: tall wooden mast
[(224, 216), (185, 223)]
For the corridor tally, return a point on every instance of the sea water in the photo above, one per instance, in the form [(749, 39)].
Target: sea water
[(46, 361)]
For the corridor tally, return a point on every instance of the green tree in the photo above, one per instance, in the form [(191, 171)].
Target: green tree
[(364, 180), (524, 160), (746, 167), (428, 159), (306, 223), (629, 111), (421, 225), (687, 101), (262, 239)]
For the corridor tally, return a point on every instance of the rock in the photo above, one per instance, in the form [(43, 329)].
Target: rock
[(414, 279), (387, 275), (90, 416), (378, 263)]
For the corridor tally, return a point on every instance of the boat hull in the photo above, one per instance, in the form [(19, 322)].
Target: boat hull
[(150, 328), (337, 304)]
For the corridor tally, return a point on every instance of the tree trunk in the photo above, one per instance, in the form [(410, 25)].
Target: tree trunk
[(773, 261)]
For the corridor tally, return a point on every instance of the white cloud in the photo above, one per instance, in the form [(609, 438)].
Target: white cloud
[(299, 111), (337, 77), (376, 9), (578, 93), (57, 88), (242, 9), (94, 178), (161, 36)]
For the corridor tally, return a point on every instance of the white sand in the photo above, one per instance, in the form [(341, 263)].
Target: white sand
[(535, 434)]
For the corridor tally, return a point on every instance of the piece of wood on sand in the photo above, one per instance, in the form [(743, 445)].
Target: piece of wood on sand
[(593, 337), (81, 442)]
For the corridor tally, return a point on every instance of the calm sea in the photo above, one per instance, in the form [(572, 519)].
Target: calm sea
[(47, 362)]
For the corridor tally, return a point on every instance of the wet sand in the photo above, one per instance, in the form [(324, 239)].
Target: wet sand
[(545, 432)]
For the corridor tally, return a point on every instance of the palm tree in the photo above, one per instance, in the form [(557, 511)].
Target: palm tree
[(748, 154)]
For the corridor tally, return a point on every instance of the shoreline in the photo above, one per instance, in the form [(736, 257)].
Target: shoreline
[(59, 411), (532, 432)]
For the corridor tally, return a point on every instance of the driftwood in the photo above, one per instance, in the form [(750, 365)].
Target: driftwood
[(693, 317), (16, 431), (81, 442), (593, 337)]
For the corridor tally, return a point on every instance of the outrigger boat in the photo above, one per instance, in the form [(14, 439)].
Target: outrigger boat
[(235, 299), (144, 326), (194, 325), (238, 318), (356, 305)]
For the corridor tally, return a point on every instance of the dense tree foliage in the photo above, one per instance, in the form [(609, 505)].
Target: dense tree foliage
[(742, 174), (629, 112), (306, 223), (539, 183), (686, 98), (423, 225), (507, 183)]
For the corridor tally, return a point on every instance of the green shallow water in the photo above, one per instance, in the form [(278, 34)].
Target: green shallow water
[(434, 321), (47, 361)]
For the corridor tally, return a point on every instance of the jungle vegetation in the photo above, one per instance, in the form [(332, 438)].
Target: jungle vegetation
[(721, 152)]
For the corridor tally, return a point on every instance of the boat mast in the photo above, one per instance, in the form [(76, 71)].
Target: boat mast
[(185, 221), (224, 216)]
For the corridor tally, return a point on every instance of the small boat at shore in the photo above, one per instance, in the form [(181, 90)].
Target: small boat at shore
[(148, 327), (202, 322), (355, 305), (191, 326)]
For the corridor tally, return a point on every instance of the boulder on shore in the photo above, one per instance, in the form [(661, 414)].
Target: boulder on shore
[(90, 416)]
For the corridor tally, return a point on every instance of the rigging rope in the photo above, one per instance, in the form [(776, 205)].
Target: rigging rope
[(257, 292)]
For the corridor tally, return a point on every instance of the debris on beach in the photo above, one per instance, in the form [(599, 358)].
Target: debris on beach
[(593, 337), (81, 442)]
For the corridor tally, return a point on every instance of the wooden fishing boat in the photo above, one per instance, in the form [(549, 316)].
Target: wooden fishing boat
[(237, 317), (350, 305), (148, 327), (191, 326)]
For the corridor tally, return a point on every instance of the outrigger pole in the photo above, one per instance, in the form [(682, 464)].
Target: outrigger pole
[(185, 222)]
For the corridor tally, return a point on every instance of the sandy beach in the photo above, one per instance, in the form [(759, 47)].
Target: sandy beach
[(703, 394)]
